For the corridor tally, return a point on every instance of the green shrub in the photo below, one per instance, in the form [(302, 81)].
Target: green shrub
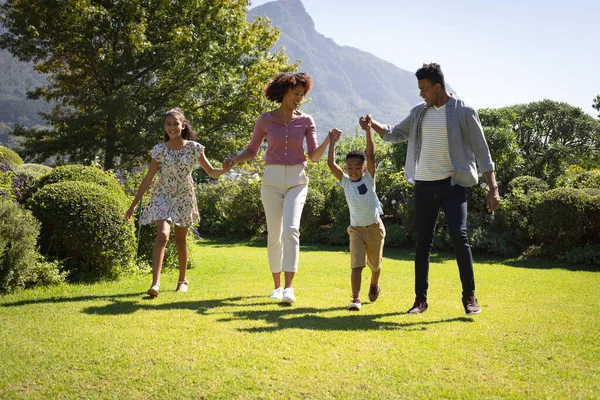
[(18, 238), (6, 178), (20, 264), (567, 218), (231, 207), (579, 178), (146, 246), (34, 170), (246, 215), (527, 185), (509, 231), (84, 225), (10, 156), (82, 173), (312, 217), (25, 181), (214, 201)]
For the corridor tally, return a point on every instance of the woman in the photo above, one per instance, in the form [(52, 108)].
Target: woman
[(284, 184)]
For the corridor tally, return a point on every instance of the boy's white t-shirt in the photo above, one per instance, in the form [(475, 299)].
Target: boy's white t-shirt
[(362, 200)]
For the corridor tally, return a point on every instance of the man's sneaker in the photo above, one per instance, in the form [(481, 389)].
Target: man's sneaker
[(154, 289), (419, 307), (288, 295), (355, 305), (277, 294), (374, 291), (471, 305)]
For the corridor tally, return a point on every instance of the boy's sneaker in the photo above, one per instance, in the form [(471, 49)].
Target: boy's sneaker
[(182, 287), (374, 291), (154, 289), (277, 294), (471, 305), (419, 307), (355, 305), (288, 295)]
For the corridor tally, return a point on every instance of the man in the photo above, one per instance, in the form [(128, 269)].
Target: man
[(445, 139)]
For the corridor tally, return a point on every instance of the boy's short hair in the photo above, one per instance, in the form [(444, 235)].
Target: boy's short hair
[(357, 154)]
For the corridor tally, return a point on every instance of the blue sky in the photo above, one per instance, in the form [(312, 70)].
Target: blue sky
[(494, 53)]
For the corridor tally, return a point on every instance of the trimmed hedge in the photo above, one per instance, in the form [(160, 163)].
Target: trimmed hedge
[(82, 173), (567, 221), (83, 224), (10, 156)]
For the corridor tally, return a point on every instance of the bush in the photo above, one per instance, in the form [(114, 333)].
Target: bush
[(18, 238), (566, 218), (231, 207), (579, 178), (527, 185), (312, 217), (25, 181), (20, 264), (36, 171), (84, 225), (10, 156), (146, 246), (509, 231), (82, 173)]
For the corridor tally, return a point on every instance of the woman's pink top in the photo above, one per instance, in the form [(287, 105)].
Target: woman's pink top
[(285, 141)]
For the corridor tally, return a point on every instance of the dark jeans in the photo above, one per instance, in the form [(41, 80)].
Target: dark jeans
[(429, 198)]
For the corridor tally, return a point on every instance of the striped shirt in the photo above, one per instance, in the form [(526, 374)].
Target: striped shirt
[(362, 200), (434, 161)]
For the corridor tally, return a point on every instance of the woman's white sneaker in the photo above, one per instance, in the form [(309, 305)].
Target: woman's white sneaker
[(288, 295), (277, 294)]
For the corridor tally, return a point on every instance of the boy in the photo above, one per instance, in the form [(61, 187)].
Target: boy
[(366, 230)]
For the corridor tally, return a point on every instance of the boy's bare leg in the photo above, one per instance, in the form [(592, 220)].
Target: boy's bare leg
[(375, 277), (355, 280)]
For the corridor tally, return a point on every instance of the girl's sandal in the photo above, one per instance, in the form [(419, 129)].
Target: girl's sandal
[(182, 287)]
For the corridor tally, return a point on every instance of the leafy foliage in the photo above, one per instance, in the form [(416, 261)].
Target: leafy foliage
[(83, 224), (549, 136), (20, 264), (566, 218), (114, 67), (11, 157), (82, 173)]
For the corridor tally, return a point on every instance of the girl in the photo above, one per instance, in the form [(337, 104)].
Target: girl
[(284, 184), (173, 201)]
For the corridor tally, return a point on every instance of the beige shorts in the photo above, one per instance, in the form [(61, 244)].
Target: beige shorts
[(366, 242)]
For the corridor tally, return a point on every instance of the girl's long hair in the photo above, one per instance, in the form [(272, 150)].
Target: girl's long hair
[(188, 132)]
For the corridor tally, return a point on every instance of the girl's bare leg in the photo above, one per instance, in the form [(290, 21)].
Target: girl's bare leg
[(158, 253), (182, 250)]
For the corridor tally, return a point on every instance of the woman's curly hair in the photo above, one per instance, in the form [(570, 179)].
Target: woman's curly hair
[(283, 81)]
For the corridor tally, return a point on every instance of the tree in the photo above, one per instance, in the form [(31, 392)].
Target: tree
[(596, 105), (549, 136), (114, 66)]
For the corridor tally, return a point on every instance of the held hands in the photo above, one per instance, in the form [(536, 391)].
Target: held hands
[(334, 135), (228, 163), (365, 121)]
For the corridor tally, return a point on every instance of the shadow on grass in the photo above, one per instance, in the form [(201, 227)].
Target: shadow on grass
[(284, 316), (69, 299)]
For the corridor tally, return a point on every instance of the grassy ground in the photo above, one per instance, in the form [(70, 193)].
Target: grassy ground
[(537, 336)]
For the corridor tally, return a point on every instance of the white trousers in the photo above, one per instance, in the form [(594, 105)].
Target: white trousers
[(283, 194)]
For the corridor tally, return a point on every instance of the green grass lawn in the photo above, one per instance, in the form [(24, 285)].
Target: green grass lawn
[(537, 336)]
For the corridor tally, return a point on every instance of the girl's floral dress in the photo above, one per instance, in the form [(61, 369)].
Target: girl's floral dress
[(173, 198)]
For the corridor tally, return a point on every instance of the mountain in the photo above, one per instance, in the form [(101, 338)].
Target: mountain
[(16, 78), (347, 82)]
